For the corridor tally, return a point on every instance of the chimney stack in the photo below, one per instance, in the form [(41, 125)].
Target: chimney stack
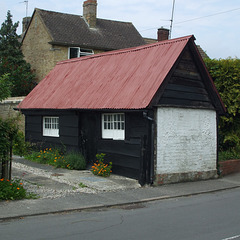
[(163, 34), (25, 23), (90, 12)]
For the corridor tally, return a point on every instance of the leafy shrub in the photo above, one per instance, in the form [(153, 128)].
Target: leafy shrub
[(100, 168), (75, 160), (54, 157), (225, 74), (228, 155), (47, 156), (20, 147), (13, 190)]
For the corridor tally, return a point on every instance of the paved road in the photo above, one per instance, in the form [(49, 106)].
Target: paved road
[(202, 217)]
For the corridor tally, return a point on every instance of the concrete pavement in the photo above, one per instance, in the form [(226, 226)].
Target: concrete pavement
[(62, 190)]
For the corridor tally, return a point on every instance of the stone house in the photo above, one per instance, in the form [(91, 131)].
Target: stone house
[(50, 37)]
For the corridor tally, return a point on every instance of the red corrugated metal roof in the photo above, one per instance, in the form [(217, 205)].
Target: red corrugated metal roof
[(124, 79)]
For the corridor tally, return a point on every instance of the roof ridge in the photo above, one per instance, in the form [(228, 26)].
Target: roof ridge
[(132, 49), (51, 11), (73, 14)]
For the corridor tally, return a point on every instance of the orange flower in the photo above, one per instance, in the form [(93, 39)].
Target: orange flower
[(18, 188), (20, 183)]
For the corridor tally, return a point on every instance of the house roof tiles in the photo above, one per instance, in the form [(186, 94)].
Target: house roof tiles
[(73, 30)]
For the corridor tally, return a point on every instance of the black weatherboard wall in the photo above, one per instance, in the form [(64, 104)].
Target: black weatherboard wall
[(68, 129), (81, 131), (126, 155), (186, 86)]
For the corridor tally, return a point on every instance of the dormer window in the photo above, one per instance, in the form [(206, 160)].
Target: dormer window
[(76, 52)]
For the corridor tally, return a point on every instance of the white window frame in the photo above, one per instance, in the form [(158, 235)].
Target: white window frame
[(51, 126), (81, 52), (113, 126)]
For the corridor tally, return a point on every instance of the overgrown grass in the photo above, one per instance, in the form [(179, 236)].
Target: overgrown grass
[(51, 156)]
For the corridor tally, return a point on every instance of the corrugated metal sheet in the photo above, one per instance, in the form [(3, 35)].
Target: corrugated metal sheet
[(124, 79)]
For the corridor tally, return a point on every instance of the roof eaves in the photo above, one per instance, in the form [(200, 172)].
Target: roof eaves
[(28, 25), (66, 44)]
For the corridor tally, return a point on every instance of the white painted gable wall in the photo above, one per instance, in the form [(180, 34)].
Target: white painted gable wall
[(186, 140)]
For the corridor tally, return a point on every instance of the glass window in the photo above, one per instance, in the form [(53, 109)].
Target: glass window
[(51, 126), (75, 52), (113, 126)]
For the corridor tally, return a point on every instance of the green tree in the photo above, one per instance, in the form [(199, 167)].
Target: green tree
[(5, 87), (12, 60), (5, 130), (226, 76)]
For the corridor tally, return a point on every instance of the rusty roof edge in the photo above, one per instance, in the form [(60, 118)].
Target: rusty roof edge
[(125, 50)]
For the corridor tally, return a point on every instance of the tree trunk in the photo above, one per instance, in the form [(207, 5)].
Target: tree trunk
[(5, 169)]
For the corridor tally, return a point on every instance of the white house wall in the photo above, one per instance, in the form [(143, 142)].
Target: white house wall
[(186, 144)]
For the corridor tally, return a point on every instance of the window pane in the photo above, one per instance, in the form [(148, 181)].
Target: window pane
[(113, 126), (51, 126), (85, 52), (73, 53)]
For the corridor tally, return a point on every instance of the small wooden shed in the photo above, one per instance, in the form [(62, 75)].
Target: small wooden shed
[(152, 109)]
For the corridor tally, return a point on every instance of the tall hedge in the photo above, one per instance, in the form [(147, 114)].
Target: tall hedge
[(226, 76)]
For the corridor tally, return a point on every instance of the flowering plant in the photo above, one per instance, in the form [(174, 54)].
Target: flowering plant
[(100, 168), (11, 190)]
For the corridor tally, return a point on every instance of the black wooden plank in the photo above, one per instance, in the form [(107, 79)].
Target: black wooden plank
[(73, 141), (69, 121), (33, 136), (186, 82), (187, 65), (33, 119), (187, 74), (185, 95), (119, 160), (185, 103), (119, 147), (33, 127), (190, 89), (123, 171), (68, 131)]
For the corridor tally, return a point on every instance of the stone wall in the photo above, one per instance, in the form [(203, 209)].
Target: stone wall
[(7, 110), (37, 50), (186, 145)]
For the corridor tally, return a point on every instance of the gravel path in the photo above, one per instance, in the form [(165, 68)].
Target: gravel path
[(54, 183)]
